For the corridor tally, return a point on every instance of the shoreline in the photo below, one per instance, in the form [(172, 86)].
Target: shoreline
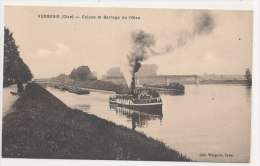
[(85, 86), (44, 127)]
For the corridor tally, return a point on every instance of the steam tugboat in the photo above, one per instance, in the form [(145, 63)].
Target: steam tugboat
[(140, 99)]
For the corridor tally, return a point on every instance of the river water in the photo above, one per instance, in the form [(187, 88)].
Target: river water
[(208, 123)]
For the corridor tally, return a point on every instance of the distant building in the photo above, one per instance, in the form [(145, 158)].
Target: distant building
[(114, 72), (114, 75), (148, 70), (94, 73)]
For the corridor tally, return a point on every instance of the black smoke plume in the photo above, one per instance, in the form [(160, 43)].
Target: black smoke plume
[(204, 24), (142, 43)]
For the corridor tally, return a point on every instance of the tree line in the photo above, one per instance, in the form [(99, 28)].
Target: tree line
[(15, 70), (82, 73)]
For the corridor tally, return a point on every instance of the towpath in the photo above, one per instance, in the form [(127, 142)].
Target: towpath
[(8, 99)]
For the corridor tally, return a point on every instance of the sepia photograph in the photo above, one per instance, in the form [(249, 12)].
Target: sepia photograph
[(107, 83)]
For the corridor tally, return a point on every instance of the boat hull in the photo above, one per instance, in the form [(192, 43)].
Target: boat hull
[(151, 108)]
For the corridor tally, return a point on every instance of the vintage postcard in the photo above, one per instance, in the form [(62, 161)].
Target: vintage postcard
[(127, 84)]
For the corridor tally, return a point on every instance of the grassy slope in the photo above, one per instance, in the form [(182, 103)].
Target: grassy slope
[(43, 127)]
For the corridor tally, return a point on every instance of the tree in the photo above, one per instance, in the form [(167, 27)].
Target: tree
[(73, 74), (15, 70), (82, 73), (248, 77), (248, 74)]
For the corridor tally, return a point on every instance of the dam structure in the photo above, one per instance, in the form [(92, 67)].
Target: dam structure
[(158, 79)]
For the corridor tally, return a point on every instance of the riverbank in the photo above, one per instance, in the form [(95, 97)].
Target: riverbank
[(43, 127), (101, 85), (94, 85), (238, 82)]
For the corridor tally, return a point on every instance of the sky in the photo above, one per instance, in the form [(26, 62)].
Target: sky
[(187, 41)]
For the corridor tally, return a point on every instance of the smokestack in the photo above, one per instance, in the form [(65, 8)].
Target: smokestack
[(133, 84)]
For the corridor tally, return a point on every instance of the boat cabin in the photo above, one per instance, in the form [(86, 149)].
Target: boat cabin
[(144, 96)]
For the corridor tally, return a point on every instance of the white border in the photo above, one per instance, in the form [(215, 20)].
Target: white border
[(177, 4)]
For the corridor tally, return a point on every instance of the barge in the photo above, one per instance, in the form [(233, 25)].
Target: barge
[(174, 88), (76, 90)]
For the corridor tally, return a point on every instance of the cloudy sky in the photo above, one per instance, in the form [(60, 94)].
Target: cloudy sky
[(187, 41)]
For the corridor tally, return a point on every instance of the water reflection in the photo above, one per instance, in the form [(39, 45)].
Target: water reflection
[(248, 92), (138, 118), (172, 92)]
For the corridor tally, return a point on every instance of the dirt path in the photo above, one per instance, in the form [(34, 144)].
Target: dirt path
[(8, 99)]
